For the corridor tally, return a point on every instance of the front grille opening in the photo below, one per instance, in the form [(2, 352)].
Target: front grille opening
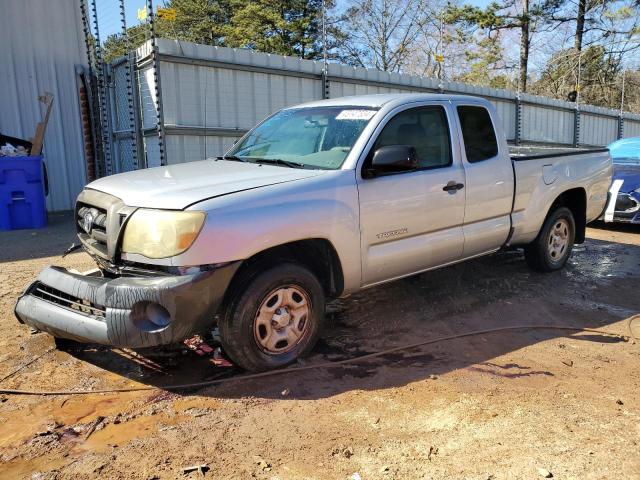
[(53, 295), (131, 269), (93, 232), (626, 206)]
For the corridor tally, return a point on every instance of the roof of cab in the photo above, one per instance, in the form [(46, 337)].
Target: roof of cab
[(380, 99)]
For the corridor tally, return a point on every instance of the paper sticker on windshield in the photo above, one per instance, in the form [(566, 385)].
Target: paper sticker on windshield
[(355, 114)]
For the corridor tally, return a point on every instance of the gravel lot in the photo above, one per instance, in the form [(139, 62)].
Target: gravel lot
[(516, 404)]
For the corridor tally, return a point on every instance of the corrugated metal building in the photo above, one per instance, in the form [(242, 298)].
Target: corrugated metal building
[(41, 42)]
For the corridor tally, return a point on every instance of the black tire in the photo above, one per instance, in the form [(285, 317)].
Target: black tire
[(537, 253), (237, 323)]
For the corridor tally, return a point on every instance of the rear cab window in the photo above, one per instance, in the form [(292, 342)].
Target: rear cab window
[(478, 134)]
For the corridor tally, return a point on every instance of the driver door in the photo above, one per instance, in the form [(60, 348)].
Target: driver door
[(412, 221)]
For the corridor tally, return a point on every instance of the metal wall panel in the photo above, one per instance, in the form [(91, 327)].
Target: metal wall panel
[(124, 147), (40, 45), (189, 148), (548, 125), (152, 149), (597, 130), (345, 89), (507, 113), (148, 98), (631, 128), (124, 155), (119, 81), (207, 96)]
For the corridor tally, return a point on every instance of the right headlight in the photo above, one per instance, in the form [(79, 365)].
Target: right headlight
[(161, 233)]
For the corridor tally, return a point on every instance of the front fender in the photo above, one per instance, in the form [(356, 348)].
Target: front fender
[(243, 224)]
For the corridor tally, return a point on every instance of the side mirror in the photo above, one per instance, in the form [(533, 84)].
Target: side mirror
[(394, 158)]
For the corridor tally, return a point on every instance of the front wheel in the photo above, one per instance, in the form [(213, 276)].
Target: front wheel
[(552, 247), (275, 318)]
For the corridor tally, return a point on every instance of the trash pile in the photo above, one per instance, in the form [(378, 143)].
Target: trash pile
[(8, 150), (202, 349), (17, 147)]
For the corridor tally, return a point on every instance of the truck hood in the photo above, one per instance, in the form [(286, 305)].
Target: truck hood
[(176, 187)]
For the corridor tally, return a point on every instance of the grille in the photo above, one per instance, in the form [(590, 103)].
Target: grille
[(96, 236), (132, 269), (57, 297), (626, 204)]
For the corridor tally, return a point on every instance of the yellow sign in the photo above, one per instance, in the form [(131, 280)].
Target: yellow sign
[(142, 13), (439, 58), (167, 13), (577, 88)]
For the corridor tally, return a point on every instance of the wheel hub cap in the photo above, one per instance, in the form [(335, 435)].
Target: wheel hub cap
[(558, 240), (281, 319)]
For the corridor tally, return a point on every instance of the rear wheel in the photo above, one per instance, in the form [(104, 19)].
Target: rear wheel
[(274, 318), (552, 247)]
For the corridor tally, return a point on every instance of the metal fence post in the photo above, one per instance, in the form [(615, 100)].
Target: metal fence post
[(620, 127), (518, 135), (94, 122), (86, 29), (576, 127), (129, 72), (326, 87), (156, 77), (102, 96)]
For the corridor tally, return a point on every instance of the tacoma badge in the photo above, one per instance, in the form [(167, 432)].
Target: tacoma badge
[(392, 233)]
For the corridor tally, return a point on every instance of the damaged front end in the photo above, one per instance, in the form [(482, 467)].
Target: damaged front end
[(123, 303), (627, 207)]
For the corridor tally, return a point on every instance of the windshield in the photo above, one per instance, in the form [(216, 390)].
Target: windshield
[(625, 152), (319, 137)]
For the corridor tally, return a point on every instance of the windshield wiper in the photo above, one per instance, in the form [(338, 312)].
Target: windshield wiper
[(279, 161), (232, 157)]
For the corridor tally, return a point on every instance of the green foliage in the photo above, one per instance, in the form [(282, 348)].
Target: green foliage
[(199, 21), (485, 58), (501, 15), (117, 45), (285, 27), (598, 76)]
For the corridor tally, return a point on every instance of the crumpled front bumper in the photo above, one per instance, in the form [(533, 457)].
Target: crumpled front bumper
[(627, 208), (98, 310)]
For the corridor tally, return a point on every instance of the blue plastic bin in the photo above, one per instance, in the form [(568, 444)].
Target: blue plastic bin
[(22, 193)]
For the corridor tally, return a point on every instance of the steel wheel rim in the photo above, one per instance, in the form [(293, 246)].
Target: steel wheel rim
[(558, 244), (282, 319)]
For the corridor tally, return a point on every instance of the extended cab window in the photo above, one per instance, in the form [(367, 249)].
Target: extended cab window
[(425, 129), (477, 132)]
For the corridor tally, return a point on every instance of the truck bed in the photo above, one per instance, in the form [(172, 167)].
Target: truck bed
[(542, 174)]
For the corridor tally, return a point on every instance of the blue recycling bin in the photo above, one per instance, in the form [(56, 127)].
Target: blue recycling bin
[(22, 193)]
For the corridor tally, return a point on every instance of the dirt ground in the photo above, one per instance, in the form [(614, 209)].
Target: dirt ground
[(496, 406)]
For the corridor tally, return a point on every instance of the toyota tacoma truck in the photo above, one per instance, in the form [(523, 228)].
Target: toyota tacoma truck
[(318, 201)]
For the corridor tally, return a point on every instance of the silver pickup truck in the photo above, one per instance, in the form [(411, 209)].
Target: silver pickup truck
[(318, 201)]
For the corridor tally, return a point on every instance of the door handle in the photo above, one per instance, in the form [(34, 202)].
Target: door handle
[(453, 186)]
